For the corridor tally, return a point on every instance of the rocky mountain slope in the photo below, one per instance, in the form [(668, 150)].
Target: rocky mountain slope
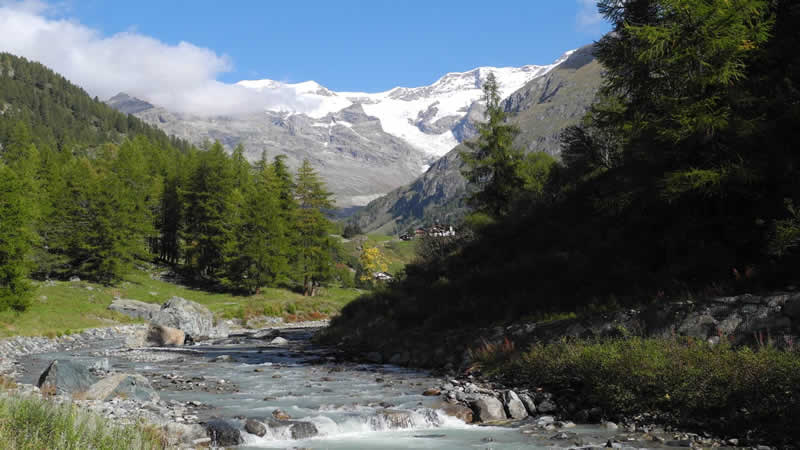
[(541, 109), (363, 144)]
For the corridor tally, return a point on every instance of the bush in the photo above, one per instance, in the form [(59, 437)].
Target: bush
[(685, 382)]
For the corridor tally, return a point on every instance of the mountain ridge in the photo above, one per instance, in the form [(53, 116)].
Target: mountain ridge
[(541, 109)]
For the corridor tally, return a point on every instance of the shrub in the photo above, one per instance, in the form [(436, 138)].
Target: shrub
[(684, 381)]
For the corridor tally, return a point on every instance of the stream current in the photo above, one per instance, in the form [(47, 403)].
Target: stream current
[(352, 406)]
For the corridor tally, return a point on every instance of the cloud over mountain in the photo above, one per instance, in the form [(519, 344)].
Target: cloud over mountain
[(180, 77)]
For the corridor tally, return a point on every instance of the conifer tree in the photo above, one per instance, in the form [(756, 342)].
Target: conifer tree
[(494, 167), (208, 209), (15, 241), (314, 246), (260, 254)]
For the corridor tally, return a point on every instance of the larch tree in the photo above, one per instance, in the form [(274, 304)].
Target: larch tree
[(313, 243)]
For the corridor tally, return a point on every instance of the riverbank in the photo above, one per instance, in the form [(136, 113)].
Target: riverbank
[(67, 307), (726, 366)]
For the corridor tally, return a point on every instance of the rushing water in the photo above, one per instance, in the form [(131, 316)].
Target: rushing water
[(351, 405)]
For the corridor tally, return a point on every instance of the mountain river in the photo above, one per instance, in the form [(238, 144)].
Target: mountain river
[(351, 405)]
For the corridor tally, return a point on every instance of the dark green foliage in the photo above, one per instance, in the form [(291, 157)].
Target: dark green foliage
[(736, 392), (15, 240), (351, 230), (314, 246), (260, 254), (494, 167), (683, 177)]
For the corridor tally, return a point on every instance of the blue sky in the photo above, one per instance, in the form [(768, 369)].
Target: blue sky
[(368, 45), (186, 55)]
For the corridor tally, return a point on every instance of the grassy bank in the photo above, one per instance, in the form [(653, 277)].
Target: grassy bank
[(32, 423), (398, 253), (63, 307), (737, 392)]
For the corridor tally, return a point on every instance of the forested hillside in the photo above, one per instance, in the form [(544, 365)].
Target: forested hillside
[(681, 180), (88, 192)]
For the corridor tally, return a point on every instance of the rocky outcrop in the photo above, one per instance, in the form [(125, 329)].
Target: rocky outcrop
[(66, 377), (190, 317), (741, 319), (223, 433), (122, 385), (514, 406), (134, 308), (488, 409), (161, 336)]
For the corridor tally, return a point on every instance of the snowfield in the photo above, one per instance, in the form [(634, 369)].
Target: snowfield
[(401, 110)]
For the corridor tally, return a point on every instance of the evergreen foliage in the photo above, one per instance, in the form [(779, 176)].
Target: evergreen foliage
[(88, 191)]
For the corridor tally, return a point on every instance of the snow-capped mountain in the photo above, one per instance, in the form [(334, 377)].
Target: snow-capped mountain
[(425, 117), (363, 144)]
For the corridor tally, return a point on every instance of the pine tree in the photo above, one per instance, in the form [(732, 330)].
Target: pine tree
[(260, 255), (207, 230), (15, 241), (314, 245), (494, 167)]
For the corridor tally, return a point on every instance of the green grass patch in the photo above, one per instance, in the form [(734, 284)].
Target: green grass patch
[(398, 253), (32, 423), (63, 307), (685, 382)]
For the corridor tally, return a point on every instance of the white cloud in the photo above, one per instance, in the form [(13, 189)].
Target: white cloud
[(587, 14), (180, 77)]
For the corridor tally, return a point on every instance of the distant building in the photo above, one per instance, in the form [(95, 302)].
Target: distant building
[(382, 276), (437, 230)]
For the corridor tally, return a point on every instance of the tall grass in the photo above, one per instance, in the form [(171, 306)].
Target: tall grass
[(32, 423), (735, 391)]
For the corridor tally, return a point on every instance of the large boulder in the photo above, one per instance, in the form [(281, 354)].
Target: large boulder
[(514, 406), (487, 409), (66, 377), (192, 318), (458, 411), (256, 427), (290, 429), (135, 308), (530, 405), (122, 385), (223, 434), (163, 336)]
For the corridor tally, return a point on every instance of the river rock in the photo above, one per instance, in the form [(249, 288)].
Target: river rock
[(253, 426), (266, 334), (392, 419), (180, 433), (303, 430), (66, 377), (291, 429), (192, 318), (530, 406), (514, 406), (281, 414), (134, 308), (431, 392), (546, 406), (487, 409), (223, 434), (458, 411), (122, 385), (164, 336), (279, 341)]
